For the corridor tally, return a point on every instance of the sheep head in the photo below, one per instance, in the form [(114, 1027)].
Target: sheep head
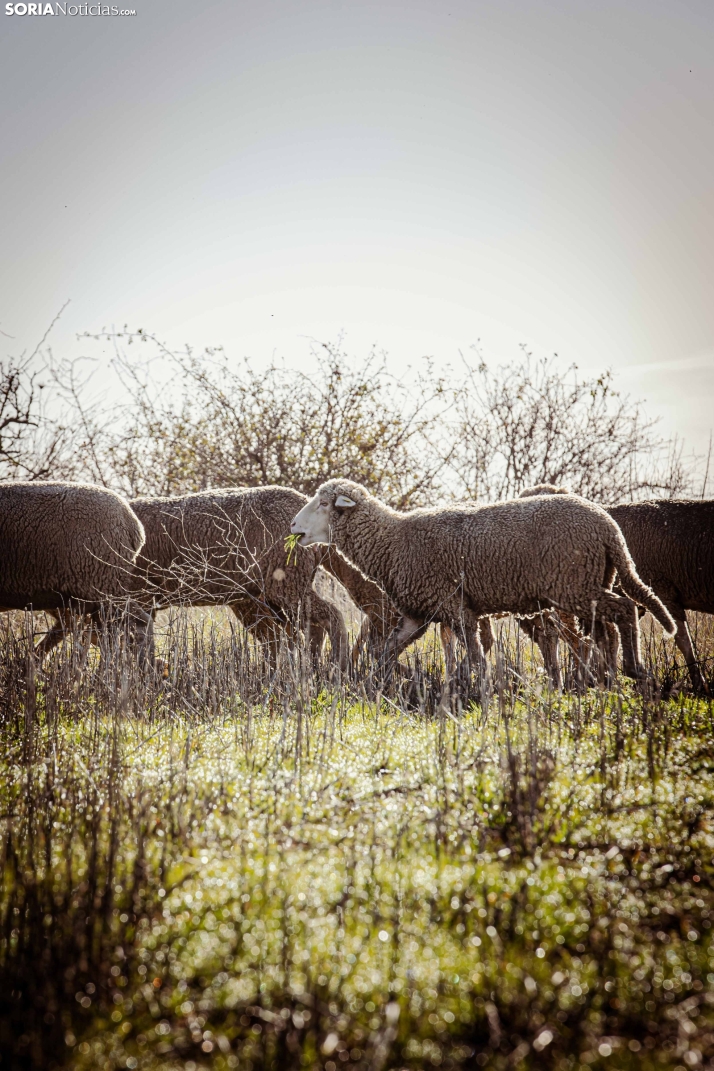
[(321, 520)]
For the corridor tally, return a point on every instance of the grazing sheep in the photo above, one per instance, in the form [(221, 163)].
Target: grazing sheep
[(457, 565), (226, 547), (68, 549)]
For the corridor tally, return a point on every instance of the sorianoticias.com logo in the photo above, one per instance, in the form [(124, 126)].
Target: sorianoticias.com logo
[(66, 9)]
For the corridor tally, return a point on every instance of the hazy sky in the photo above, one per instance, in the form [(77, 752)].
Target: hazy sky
[(419, 175)]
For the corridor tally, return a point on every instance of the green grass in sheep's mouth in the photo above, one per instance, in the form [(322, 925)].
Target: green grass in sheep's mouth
[(291, 545)]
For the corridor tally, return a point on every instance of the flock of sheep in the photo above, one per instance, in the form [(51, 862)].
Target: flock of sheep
[(564, 566)]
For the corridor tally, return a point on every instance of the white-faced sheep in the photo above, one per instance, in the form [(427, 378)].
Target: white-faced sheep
[(226, 547), (68, 549), (457, 565)]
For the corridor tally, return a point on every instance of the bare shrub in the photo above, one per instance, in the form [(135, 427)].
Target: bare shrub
[(235, 426), (30, 444), (192, 421), (531, 422)]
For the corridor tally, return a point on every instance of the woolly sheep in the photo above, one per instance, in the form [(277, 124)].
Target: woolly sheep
[(226, 547), (457, 565), (671, 544), (68, 549)]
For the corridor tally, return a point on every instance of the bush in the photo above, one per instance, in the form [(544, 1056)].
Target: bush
[(193, 421), (531, 423)]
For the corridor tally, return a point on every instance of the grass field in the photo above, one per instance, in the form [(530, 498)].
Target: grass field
[(229, 869)]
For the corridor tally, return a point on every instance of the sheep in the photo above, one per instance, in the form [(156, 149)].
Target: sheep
[(670, 541), (456, 565), (226, 547), (672, 544), (68, 549)]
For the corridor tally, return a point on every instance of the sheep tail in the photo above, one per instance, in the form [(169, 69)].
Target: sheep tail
[(633, 586)]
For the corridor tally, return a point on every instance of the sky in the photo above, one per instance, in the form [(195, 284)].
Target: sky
[(416, 176)]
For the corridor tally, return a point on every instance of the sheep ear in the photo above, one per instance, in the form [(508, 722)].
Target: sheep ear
[(343, 502)]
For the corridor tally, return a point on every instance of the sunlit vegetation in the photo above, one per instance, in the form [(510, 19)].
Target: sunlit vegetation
[(229, 868)]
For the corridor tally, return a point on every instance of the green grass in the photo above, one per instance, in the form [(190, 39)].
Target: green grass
[(291, 545), (304, 879)]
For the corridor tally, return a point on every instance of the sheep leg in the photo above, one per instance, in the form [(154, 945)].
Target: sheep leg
[(268, 636), (373, 632), (466, 625), (564, 625), (527, 625), (361, 641), (623, 612), (105, 632), (406, 631), (329, 619), (486, 635), (53, 636), (141, 636), (317, 639), (544, 632), (448, 643), (50, 640), (59, 632), (579, 645), (259, 620), (607, 641), (476, 656), (128, 625), (599, 642), (547, 636), (159, 665), (606, 638), (569, 631), (683, 640)]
